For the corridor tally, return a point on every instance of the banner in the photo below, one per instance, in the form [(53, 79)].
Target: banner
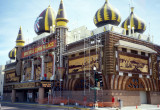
[(38, 49), (134, 64)]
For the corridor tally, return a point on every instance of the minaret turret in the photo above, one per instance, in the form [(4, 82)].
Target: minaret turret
[(19, 45), (61, 32), (20, 41), (61, 19)]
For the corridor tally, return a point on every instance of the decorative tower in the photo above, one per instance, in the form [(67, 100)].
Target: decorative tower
[(61, 30), (20, 41), (135, 23), (19, 44)]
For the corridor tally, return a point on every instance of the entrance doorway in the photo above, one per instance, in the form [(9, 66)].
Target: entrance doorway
[(143, 97)]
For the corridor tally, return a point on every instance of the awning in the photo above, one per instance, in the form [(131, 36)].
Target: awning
[(125, 44)]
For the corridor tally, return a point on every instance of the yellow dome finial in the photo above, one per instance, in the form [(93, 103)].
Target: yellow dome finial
[(132, 9), (106, 1)]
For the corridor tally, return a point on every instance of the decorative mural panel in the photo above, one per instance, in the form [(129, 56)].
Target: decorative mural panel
[(11, 77), (159, 68), (37, 72), (84, 63), (134, 64), (28, 73), (154, 66), (48, 70), (135, 84)]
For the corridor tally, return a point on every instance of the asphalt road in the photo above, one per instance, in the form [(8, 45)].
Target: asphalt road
[(22, 106), (28, 106)]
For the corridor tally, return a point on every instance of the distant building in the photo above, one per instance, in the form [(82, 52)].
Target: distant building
[(64, 64), (77, 34), (2, 67)]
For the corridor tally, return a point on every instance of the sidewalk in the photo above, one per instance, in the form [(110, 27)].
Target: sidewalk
[(142, 107)]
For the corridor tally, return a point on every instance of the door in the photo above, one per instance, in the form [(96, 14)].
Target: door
[(143, 97)]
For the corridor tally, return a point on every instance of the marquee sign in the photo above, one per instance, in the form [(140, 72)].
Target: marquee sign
[(46, 84), (25, 85), (38, 49), (133, 63)]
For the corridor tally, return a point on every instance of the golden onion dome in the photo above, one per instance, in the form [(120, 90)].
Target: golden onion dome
[(44, 21), (107, 15), (136, 22), (12, 54)]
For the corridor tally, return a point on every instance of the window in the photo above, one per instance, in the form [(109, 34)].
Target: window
[(134, 51), (82, 53), (143, 53), (124, 50), (73, 55), (92, 51), (135, 84)]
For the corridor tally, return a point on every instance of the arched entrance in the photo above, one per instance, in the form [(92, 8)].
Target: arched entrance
[(137, 84)]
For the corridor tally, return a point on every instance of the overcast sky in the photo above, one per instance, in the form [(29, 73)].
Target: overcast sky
[(16, 13)]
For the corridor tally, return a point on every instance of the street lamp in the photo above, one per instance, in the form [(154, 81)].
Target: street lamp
[(94, 68)]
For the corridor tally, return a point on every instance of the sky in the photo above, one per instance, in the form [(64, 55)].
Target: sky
[(16, 13)]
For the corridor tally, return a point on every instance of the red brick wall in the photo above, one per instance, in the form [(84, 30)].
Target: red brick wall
[(155, 98), (129, 98)]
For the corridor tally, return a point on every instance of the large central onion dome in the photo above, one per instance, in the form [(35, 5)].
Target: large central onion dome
[(134, 21), (107, 15), (12, 54), (44, 21)]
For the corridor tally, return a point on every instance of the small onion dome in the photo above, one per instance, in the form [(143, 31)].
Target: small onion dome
[(12, 54), (134, 21), (61, 18), (107, 15), (20, 41), (44, 21)]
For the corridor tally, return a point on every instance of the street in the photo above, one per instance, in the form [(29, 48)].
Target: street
[(27, 106), (32, 106)]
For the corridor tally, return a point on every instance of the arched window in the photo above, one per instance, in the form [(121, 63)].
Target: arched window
[(135, 84)]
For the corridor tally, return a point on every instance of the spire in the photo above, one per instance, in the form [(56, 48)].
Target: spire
[(61, 18), (132, 9), (20, 41), (106, 1)]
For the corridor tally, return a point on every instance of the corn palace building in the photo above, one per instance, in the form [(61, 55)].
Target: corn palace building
[(62, 63)]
